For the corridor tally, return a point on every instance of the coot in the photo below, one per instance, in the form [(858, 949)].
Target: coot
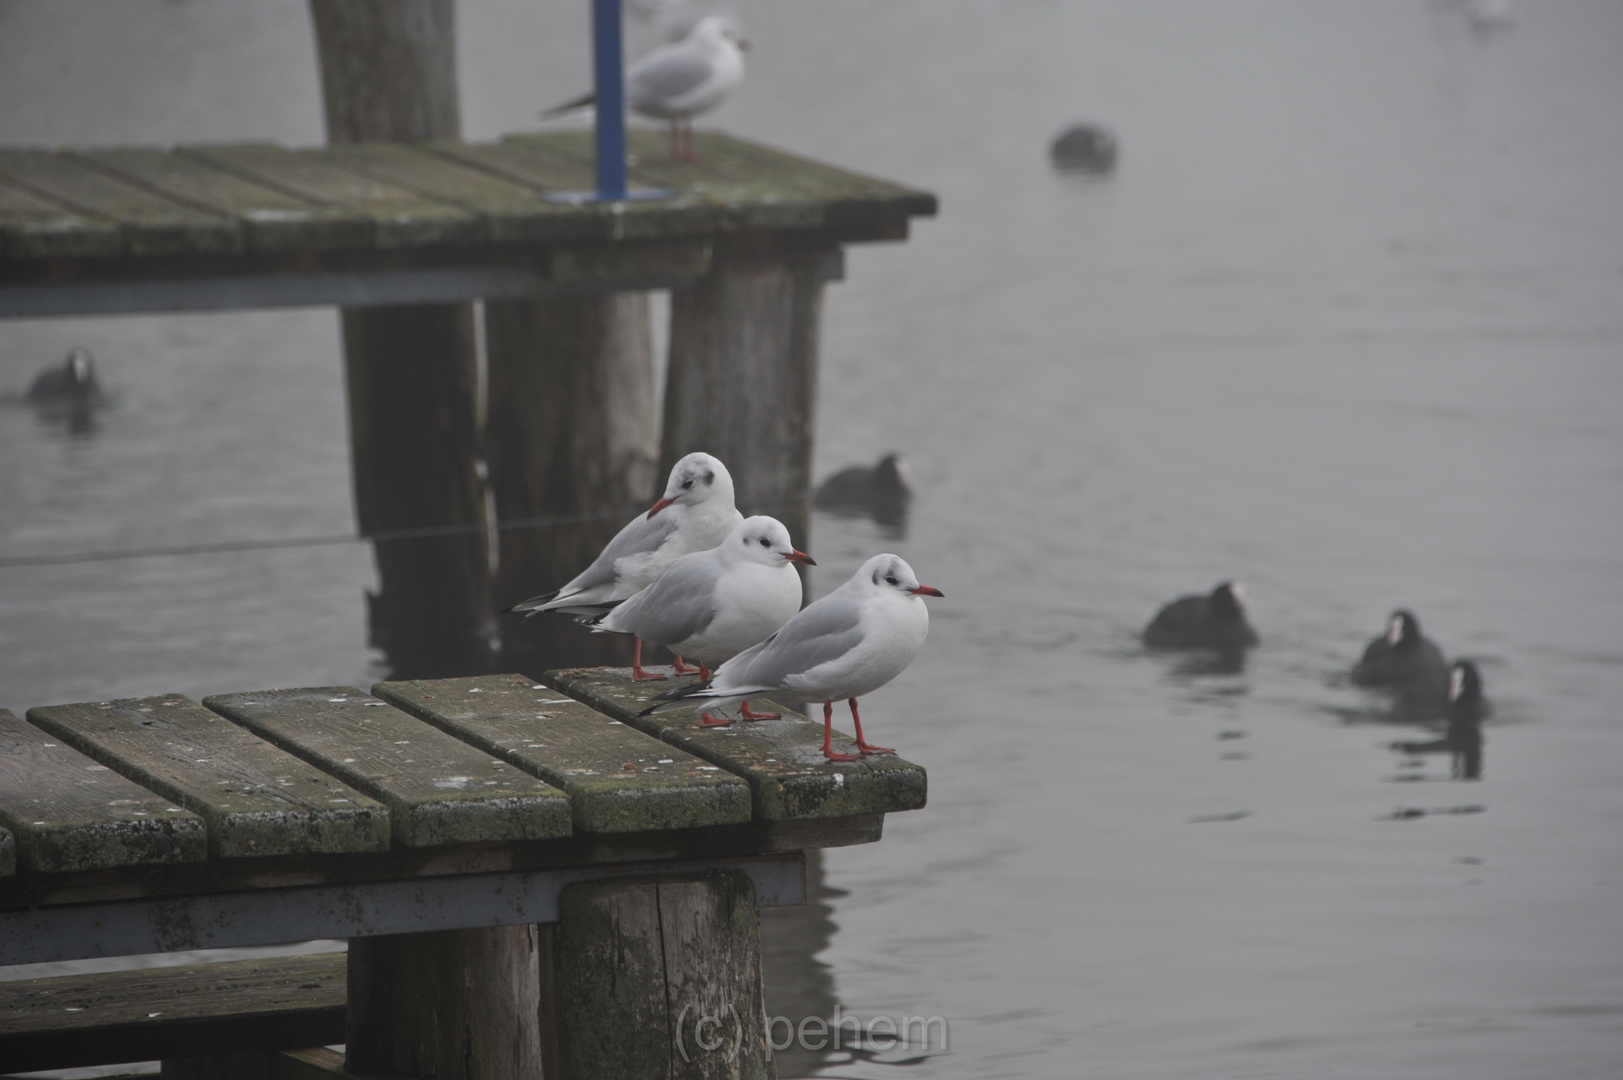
[(1214, 621)]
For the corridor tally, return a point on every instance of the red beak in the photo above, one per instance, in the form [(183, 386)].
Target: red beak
[(660, 505), (801, 556), (925, 590)]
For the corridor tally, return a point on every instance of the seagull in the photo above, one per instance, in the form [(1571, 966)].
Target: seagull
[(712, 605), (679, 80), (850, 643), (1216, 621), (695, 514)]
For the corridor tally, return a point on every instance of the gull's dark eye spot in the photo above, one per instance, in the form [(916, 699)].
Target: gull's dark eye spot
[(876, 577), (709, 478), (686, 484), (765, 542), (891, 578)]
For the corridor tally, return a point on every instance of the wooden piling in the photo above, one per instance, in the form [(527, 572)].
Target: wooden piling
[(388, 72), (742, 381), (571, 431), (660, 980), (481, 1021)]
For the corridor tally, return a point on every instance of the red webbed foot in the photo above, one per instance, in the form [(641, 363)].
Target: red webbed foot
[(706, 720), (746, 714)]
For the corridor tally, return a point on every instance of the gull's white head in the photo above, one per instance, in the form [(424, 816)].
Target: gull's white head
[(764, 540), (696, 479), (718, 29), (884, 574), (79, 367)]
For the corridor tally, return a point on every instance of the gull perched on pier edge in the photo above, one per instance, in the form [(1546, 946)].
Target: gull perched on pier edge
[(712, 605), (677, 81), (695, 514), (850, 643)]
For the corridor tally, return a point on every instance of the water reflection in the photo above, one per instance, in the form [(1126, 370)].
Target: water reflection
[(797, 984), (1467, 708)]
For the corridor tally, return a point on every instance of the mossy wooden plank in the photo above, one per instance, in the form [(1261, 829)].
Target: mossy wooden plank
[(150, 223), (273, 220), (781, 759), (32, 227), (256, 799), (400, 218), (438, 789), (618, 779), (534, 165), (66, 813), (70, 1021), (509, 212)]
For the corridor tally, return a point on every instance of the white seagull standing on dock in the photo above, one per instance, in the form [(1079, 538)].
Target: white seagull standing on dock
[(695, 514), (677, 81), (712, 605), (850, 643)]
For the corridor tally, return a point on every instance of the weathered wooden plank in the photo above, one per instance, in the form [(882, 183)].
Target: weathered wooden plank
[(509, 212), (782, 759), (531, 163), (150, 223), (310, 1063), (278, 916), (71, 1021), (438, 789), (618, 779), (610, 850), (256, 799), (32, 227), (8, 853), (272, 220), (399, 218), (66, 813)]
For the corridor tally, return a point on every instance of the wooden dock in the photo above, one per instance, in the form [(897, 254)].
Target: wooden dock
[(260, 225), (434, 824)]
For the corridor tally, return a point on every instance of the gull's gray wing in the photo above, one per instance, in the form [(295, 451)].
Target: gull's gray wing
[(641, 534), (666, 73), (825, 630), (679, 604)]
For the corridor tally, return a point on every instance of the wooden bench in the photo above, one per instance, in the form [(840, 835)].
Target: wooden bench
[(400, 820)]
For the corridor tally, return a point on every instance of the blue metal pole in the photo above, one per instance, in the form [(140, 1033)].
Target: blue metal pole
[(608, 68)]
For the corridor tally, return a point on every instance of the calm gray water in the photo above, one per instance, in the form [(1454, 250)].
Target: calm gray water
[(1347, 324)]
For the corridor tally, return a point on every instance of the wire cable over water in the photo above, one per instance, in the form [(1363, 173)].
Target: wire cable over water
[(427, 532)]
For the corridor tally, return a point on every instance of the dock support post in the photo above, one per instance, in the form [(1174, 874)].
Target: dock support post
[(388, 72), (453, 1005), (660, 980), (742, 382), (571, 429)]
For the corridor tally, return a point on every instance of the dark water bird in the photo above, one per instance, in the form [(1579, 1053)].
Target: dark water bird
[(1214, 621), (1467, 708), (1084, 148), (1408, 664), (73, 380), (882, 491)]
